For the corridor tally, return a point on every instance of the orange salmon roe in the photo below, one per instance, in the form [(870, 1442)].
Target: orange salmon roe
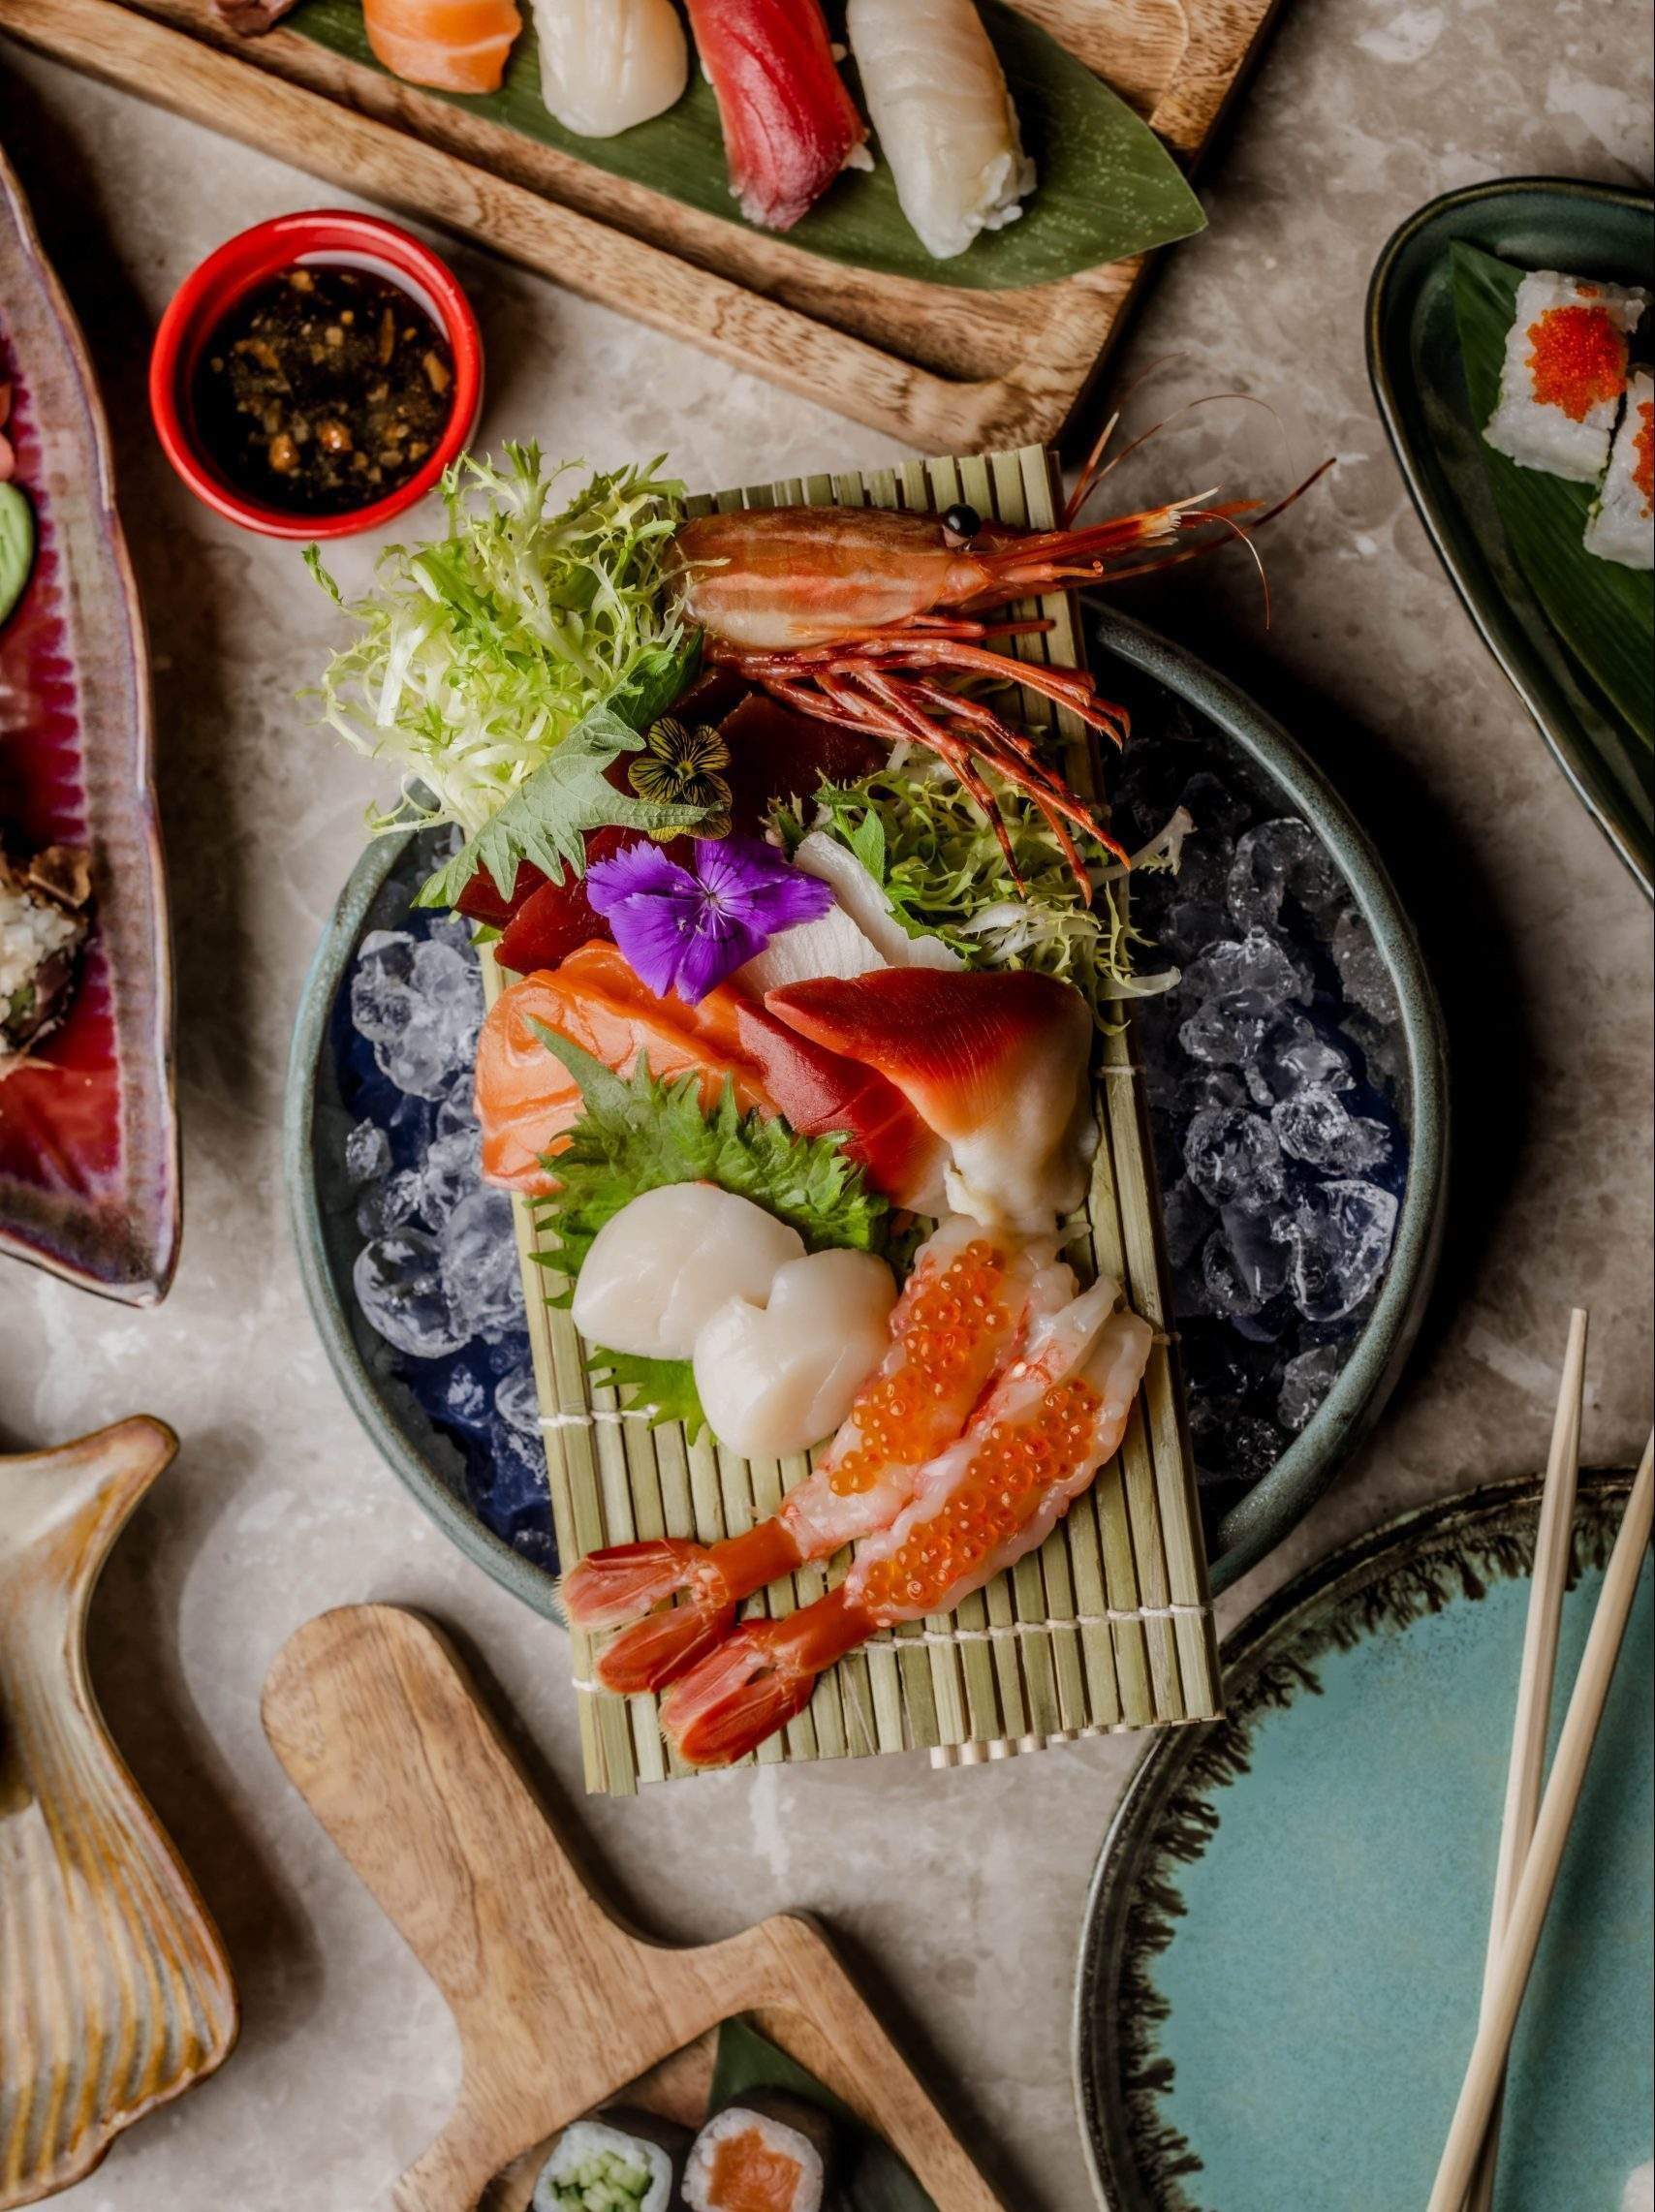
[(1010, 1473), (1579, 358), (954, 1324), (1643, 445)]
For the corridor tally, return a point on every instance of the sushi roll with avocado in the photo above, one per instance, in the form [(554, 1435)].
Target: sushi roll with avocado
[(44, 900), (1621, 526), (769, 2153), (1563, 374), (620, 2162)]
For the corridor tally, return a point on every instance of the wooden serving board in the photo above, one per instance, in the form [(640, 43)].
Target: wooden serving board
[(944, 367), (559, 2005)]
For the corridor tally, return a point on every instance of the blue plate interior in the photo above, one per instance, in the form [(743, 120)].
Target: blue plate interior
[(1284, 1950), (1329, 971)]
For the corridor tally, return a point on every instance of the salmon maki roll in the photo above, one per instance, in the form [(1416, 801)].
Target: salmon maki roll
[(455, 46)]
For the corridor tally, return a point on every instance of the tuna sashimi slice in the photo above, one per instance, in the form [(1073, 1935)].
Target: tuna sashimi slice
[(995, 1064)]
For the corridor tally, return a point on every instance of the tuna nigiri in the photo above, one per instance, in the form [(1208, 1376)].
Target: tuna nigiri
[(457, 46), (790, 126), (606, 65), (938, 98), (994, 1063)]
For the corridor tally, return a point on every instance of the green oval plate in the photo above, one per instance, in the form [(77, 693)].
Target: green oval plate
[(431, 1465), (1282, 1951), (1414, 361)]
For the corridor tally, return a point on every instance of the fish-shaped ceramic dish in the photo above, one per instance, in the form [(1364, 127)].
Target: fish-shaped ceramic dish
[(88, 1138)]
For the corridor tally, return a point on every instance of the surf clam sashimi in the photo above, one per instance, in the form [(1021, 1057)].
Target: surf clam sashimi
[(778, 1369), (995, 1063), (669, 1260)]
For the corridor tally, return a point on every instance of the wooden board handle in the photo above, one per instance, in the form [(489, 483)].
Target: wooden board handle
[(559, 2006)]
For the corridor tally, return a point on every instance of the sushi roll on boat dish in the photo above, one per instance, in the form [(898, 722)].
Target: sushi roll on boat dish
[(1563, 374), (1621, 526), (621, 2162)]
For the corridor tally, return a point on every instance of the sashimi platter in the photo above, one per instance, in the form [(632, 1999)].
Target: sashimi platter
[(805, 1062)]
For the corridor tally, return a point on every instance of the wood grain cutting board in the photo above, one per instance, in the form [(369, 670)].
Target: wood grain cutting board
[(559, 2006), (947, 368)]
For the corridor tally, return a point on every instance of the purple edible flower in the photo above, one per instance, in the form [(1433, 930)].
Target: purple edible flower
[(685, 928)]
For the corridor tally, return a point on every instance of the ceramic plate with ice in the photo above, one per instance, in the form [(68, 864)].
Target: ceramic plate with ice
[(1297, 1102)]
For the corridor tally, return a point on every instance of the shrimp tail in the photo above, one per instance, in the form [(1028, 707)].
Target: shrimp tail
[(656, 1651), (627, 1579), (756, 1680)]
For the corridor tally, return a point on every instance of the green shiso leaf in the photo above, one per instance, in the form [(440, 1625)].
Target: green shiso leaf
[(637, 1133), (1603, 615), (874, 2179), (479, 653), (545, 820), (1107, 188), (16, 546)]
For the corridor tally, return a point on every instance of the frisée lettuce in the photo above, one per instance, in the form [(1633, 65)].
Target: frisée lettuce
[(478, 652)]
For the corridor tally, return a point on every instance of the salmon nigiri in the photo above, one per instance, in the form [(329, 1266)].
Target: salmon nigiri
[(457, 46), (527, 1099), (994, 1063)]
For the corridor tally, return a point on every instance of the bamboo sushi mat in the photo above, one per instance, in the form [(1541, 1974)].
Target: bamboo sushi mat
[(1109, 1626)]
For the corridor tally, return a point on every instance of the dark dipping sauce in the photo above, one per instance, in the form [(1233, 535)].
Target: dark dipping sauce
[(323, 389)]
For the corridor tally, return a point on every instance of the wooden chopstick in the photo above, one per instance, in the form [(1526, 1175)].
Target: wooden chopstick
[(1539, 1876), (1552, 1546)]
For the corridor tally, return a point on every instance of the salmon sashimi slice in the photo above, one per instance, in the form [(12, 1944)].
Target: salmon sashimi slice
[(457, 46), (527, 1099), (994, 1063)]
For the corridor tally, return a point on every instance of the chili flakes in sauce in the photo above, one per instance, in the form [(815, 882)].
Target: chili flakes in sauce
[(323, 389)]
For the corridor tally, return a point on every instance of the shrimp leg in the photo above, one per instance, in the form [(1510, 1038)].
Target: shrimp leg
[(1055, 1416), (972, 1295)]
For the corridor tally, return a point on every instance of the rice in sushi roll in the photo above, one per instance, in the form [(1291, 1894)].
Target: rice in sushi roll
[(622, 2162), (1621, 526), (766, 2155), (1563, 374)]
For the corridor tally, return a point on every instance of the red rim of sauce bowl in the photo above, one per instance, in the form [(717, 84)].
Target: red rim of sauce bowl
[(208, 294)]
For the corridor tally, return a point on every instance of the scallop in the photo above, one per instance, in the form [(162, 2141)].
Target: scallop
[(669, 1261), (777, 1372)]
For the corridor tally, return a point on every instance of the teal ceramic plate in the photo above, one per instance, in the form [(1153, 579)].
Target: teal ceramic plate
[(1167, 689), (1414, 359), (1282, 1951)]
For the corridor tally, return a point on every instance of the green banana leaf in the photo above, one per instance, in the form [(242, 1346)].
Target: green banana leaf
[(872, 2178), (1602, 614), (1107, 186)]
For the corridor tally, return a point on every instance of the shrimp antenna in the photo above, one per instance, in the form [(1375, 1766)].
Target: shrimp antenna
[(1095, 474), (1092, 472)]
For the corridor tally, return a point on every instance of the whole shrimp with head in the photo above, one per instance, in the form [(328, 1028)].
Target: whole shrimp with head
[(1058, 1414), (970, 1300)]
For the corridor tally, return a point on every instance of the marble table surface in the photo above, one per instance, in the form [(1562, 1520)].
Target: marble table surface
[(964, 1888)]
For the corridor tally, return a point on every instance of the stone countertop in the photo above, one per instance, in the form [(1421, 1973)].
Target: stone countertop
[(966, 1886)]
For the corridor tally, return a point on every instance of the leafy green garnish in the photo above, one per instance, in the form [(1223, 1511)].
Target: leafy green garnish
[(545, 820), (637, 1134), (931, 849), (480, 652)]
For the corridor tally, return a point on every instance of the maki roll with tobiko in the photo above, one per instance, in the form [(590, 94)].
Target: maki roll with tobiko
[(621, 2162), (1563, 374), (769, 2153), (1621, 526)]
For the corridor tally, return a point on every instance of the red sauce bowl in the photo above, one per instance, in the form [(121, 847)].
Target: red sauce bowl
[(204, 299)]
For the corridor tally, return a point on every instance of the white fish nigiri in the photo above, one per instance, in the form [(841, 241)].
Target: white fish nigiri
[(664, 1265), (777, 1372), (606, 65), (937, 95)]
